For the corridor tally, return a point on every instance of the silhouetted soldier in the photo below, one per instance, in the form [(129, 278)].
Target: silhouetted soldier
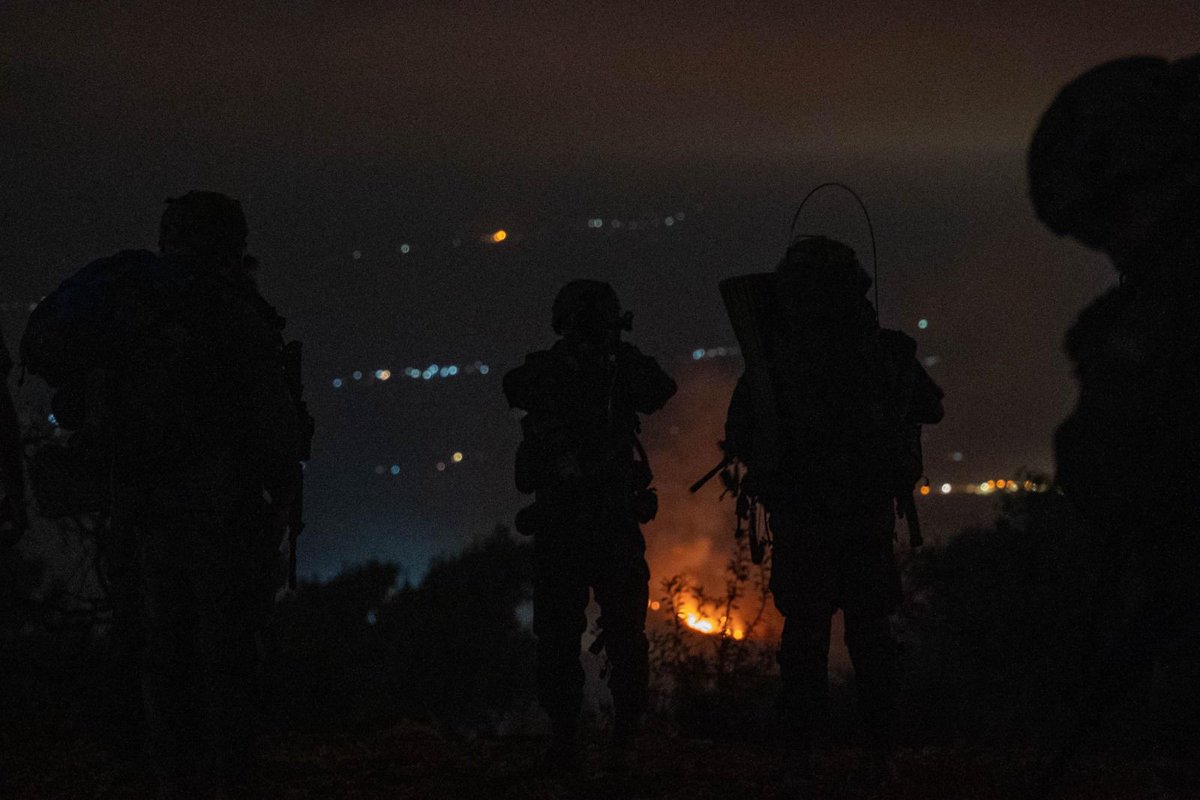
[(581, 457), (12, 475), (848, 401), (179, 373), (1115, 163)]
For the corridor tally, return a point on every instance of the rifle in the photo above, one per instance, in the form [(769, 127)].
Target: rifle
[(708, 476), (293, 356)]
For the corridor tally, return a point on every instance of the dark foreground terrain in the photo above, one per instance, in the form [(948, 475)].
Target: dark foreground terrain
[(411, 760)]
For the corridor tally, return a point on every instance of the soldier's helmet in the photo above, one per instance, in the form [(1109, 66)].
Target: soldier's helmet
[(1117, 128), (209, 224), (587, 307), (818, 265)]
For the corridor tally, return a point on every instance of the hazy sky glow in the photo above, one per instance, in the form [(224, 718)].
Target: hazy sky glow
[(369, 126)]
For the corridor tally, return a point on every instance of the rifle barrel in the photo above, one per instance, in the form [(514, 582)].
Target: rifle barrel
[(708, 476)]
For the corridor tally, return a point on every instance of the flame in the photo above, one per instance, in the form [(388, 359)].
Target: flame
[(692, 536), (702, 623)]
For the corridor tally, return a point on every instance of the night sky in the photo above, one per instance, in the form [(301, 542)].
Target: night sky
[(376, 146)]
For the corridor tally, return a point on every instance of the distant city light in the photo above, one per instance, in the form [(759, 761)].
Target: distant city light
[(679, 216), (379, 470), (337, 383), (499, 236), (956, 456), (925, 491), (616, 223), (669, 221), (457, 457), (698, 354), (452, 370), (441, 466), (395, 470), (595, 222), (372, 617), (356, 255), (412, 372), (357, 375), (383, 374), (946, 488), (484, 369), (53, 420), (405, 249), (923, 324), (931, 360)]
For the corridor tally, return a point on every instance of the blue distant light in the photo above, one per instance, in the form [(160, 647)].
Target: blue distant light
[(412, 372), (395, 470), (53, 420), (337, 383), (357, 375), (452, 370), (698, 354), (923, 324), (484, 369), (405, 249)]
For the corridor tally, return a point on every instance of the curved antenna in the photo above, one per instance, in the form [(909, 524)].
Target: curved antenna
[(870, 229)]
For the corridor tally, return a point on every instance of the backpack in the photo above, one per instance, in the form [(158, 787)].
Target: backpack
[(75, 336)]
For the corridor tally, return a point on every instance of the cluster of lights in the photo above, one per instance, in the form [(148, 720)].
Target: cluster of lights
[(1010, 485), (416, 374), (598, 223), (480, 368), (394, 470), (701, 353), (501, 235)]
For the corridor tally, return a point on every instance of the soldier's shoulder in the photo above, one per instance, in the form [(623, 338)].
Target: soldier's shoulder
[(897, 342), (1099, 326)]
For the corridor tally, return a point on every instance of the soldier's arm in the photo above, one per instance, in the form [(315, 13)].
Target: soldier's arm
[(648, 386), (535, 385), (269, 408)]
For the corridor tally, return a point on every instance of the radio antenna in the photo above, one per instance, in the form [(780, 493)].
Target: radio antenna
[(870, 229)]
